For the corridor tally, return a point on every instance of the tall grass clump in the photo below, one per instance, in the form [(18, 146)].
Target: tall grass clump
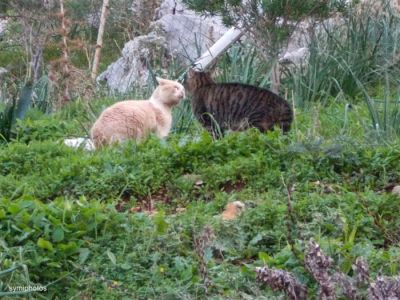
[(6, 121), (354, 56), (245, 65), (17, 100)]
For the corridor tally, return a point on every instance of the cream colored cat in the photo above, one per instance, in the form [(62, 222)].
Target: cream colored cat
[(136, 119)]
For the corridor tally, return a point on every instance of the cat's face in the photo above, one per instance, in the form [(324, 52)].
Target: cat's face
[(195, 79), (169, 92)]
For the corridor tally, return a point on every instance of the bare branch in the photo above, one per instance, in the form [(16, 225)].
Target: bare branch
[(99, 44)]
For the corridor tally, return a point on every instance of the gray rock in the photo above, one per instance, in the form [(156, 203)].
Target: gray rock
[(178, 35), (131, 69), (3, 27), (3, 71), (396, 190)]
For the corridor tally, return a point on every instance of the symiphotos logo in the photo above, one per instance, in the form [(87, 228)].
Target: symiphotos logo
[(27, 288)]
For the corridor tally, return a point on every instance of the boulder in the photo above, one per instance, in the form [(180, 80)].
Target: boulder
[(131, 69), (396, 190), (3, 71), (3, 27), (178, 34)]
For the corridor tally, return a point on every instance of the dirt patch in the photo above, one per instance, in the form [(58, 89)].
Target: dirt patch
[(144, 203), (230, 186), (122, 204)]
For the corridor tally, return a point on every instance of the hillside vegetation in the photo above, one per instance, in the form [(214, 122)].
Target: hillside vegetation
[(144, 221), (122, 221)]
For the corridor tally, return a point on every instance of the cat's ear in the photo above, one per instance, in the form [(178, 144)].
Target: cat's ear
[(161, 81)]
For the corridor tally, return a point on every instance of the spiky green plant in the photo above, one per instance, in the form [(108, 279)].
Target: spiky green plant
[(6, 122), (243, 64), (366, 44), (13, 111)]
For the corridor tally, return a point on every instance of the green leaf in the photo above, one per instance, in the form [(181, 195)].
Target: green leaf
[(14, 209), (244, 270), (68, 249), (10, 270), (256, 239), (346, 264), (42, 243), (112, 257), (264, 257), (2, 214), (352, 235), (54, 264), (126, 266), (161, 224), (83, 254), (58, 234)]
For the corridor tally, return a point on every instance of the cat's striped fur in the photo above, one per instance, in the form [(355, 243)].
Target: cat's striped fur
[(235, 106)]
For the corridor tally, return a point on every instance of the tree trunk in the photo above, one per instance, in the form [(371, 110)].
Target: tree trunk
[(99, 44), (66, 70), (276, 78)]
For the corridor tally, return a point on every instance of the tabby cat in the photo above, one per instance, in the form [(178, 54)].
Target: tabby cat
[(235, 106), (136, 119)]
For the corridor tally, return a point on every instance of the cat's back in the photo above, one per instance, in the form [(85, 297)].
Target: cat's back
[(235, 103), (238, 92), (125, 111), (126, 107), (124, 119)]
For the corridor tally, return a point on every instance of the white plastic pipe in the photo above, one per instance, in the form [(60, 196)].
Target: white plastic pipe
[(224, 42)]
